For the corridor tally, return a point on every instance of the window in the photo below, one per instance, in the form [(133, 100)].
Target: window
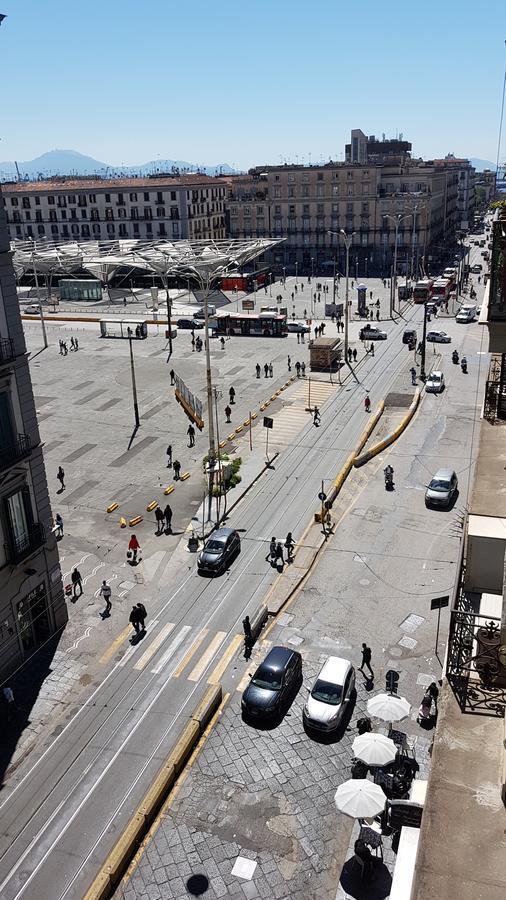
[(85, 230), (82, 200), (277, 210), (92, 198), (160, 212), (277, 191), (319, 209), (54, 229), (349, 209), (73, 213), (320, 190), (62, 201), (83, 214), (276, 178), (121, 213), (63, 213), (14, 201), (365, 237), (26, 203), (52, 215), (18, 230), (133, 197), (28, 215), (159, 197), (94, 215), (148, 212), (65, 230), (260, 210), (37, 201), (173, 196), (107, 198), (122, 230), (291, 210), (120, 200), (74, 229), (134, 213), (335, 190), (50, 200), (320, 176), (146, 196), (291, 192), (305, 191), (305, 177), (16, 216), (71, 198), (175, 229), (350, 190), (38, 216), (136, 228), (291, 179), (366, 187), (110, 228), (109, 214), (149, 228), (305, 209), (247, 211), (95, 228), (19, 513), (335, 209), (161, 229), (365, 208)]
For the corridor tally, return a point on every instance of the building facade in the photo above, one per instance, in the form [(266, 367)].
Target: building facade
[(157, 208), (32, 604), (466, 201)]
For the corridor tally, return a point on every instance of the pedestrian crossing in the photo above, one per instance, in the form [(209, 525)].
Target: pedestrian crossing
[(294, 416)]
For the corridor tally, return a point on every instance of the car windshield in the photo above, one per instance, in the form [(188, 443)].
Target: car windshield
[(215, 546), (266, 678), (439, 484), (327, 692)]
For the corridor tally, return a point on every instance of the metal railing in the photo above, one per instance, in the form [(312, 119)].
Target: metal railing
[(7, 353), (13, 452), (31, 541)]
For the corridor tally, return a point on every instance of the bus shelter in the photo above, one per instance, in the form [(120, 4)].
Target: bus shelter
[(124, 328), (325, 354)]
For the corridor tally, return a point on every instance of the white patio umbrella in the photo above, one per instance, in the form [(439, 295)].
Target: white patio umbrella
[(360, 798), (388, 707), (374, 749)]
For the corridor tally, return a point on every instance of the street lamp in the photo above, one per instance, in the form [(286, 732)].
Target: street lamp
[(312, 268), (296, 268), (348, 240), (134, 385), (397, 219)]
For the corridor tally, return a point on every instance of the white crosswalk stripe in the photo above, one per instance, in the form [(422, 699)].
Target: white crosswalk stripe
[(155, 645), (171, 649), (136, 647)]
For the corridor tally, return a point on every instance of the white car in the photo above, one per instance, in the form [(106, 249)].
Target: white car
[(328, 698), (435, 383), (438, 337), (298, 327), (30, 310)]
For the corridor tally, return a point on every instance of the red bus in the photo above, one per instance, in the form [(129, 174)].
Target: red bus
[(264, 324), (441, 289), (422, 291), (246, 281)]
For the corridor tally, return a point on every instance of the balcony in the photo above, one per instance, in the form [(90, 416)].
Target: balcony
[(7, 353), (19, 449), (29, 543)]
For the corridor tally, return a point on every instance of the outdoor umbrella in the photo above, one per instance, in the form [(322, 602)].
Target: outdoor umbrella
[(360, 798), (388, 707), (374, 749)]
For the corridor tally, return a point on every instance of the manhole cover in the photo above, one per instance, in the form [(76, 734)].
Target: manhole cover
[(407, 642), (411, 623)]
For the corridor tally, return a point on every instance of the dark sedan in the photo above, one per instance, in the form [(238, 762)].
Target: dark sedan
[(219, 550), (189, 324), (273, 684)]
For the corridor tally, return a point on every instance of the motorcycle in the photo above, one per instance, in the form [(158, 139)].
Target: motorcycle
[(463, 365), (455, 357), (389, 478)]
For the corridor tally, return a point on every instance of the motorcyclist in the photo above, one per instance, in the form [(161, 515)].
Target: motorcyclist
[(455, 357)]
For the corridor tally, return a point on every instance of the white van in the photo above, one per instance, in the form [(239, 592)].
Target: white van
[(466, 313)]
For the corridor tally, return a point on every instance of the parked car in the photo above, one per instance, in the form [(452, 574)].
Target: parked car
[(442, 488), (298, 327), (435, 383), (371, 333), (221, 547), (330, 695), (189, 323), (273, 684), (476, 269), (438, 337), (30, 310)]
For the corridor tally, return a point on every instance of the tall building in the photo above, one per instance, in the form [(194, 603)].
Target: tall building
[(158, 207), (466, 201), (32, 603), (363, 149)]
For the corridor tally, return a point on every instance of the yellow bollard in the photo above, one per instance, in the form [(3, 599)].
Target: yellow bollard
[(239, 429), (122, 522), (135, 521), (185, 476), (112, 507), (168, 490), (150, 507)]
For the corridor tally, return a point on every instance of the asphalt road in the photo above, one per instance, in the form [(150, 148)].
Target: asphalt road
[(56, 826)]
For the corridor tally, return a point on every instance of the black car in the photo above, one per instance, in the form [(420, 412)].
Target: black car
[(189, 323), (219, 550), (273, 684)]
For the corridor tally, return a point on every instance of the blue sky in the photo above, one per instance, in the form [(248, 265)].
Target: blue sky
[(248, 82)]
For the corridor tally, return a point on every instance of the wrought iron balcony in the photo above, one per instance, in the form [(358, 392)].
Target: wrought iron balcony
[(29, 543), (7, 353), (19, 448)]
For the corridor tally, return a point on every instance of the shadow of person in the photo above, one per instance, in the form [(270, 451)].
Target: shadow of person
[(374, 884), (105, 614), (369, 683), (60, 491)]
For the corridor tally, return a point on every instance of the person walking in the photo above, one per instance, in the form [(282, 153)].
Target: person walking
[(177, 469), (169, 456), (289, 546), (193, 343), (134, 547), (316, 417), (141, 615), (289, 363), (366, 660), (354, 354), (76, 344), (246, 625), (297, 368), (377, 315), (191, 435), (222, 342), (272, 549), (228, 413), (167, 514), (172, 376), (367, 404), (279, 553), (350, 354), (270, 370), (372, 349), (105, 592), (303, 369), (159, 520), (134, 619), (58, 525), (231, 395), (61, 477), (60, 342), (77, 582), (71, 343), (266, 370), (258, 370)]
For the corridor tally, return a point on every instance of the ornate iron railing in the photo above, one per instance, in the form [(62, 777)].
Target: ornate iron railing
[(475, 669)]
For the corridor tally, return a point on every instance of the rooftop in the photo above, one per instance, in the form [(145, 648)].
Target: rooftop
[(80, 185)]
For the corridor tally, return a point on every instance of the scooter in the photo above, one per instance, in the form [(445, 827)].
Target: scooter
[(463, 365), (455, 357)]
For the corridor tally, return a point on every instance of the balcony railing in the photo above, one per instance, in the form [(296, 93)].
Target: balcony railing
[(7, 353), (12, 453), (29, 543)]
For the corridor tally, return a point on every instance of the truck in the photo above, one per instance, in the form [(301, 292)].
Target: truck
[(466, 313)]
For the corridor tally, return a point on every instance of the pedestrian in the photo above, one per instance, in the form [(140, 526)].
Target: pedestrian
[(193, 344), (298, 338), (295, 288), (352, 285), (124, 302), (297, 369), (134, 619), (293, 296), (159, 520), (354, 354), (303, 369), (289, 546), (372, 349), (266, 370), (377, 315), (322, 328), (370, 295), (169, 456), (61, 477), (350, 354), (71, 343), (65, 350), (272, 549), (141, 615), (316, 331), (61, 347), (377, 303), (8, 696), (172, 375), (246, 624), (167, 514), (191, 435), (279, 553), (314, 296), (222, 342), (248, 646), (105, 592), (77, 582), (316, 417), (177, 469), (319, 295), (133, 548), (228, 413), (231, 396), (289, 363), (366, 660), (58, 523), (270, 370), (367, 404), (258, 370), (76, 344)]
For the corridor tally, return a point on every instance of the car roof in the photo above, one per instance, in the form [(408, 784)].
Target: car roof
[(436, 375), (335, 669), (221, 533), (444, 474), (277, 658)]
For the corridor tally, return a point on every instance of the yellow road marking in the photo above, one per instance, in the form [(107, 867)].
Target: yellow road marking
[(116, 644), (225, 659), (189, 653), (206, 658), (153, 647)]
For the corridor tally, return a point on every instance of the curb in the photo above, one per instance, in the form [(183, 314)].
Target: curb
[(116, 864)]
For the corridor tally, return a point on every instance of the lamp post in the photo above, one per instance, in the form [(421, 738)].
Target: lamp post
[(296, 270), (348, 240), (312, 268), (134, 385), (397, 219)]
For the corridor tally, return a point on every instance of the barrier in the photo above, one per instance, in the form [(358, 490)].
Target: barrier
[(168, 490), (122, 522), (151, 506), (112, 507), (377, 448), (185, 476), (135, 521)]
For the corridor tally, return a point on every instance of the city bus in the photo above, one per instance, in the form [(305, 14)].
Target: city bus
[(422, 291), (246, 281), (441, 290), (264, 324)]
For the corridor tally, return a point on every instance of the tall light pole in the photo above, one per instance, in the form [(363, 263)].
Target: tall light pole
[(348, 240), (397, 219), (296, 269), (134, 385)]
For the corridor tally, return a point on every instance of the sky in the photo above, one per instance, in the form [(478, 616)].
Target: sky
[(248, 83)]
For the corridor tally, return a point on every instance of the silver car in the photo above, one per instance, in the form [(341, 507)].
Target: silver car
[(435, 383), (442, 488), (330, 695), (438, 337)]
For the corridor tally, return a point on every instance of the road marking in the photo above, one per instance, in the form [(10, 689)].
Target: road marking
[(206, 658), (225, 659), (109, 653), (189, 653), (153, 647), (134, 647), (171, 649)]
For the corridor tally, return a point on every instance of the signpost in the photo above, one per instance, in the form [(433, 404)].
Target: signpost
[(268, 424), (439, 603)]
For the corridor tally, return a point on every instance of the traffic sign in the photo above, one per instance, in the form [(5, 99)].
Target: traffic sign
[(322, 496), (268, 423), (439, 602)]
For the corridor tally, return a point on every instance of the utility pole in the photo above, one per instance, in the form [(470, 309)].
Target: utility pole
[(209, 387), (134, 385), (169, 316), (424, 337), (348, 240)]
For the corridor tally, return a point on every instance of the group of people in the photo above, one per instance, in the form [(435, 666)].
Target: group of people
[(319, 330), (276, 554), (163, 519), (74, 345), (176, 465)]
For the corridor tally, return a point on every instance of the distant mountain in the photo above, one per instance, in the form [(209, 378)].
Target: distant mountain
[(481, 164), (69, 162)]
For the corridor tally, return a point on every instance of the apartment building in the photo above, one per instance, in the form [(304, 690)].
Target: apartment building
[(153, 208), (32, 603), (466, 201), (304, 203)]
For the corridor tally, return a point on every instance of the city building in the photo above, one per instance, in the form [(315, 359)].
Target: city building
[(32, 603), (485, 188), (153, 208), (363, 149), (466, 201)]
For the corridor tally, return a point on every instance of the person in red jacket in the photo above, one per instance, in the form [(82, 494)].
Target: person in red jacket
[(134, 546)]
